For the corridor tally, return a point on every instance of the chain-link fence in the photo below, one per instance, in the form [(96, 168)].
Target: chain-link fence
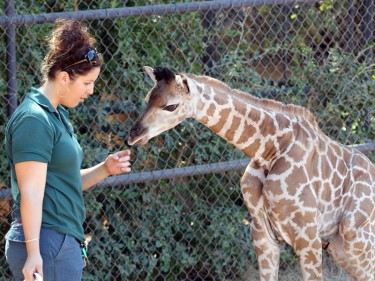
[(180, 214)]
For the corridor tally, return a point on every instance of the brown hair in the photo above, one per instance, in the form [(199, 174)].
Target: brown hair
[(69, 43)]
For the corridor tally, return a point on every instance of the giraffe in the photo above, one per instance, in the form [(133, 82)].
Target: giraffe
[(300, 187)]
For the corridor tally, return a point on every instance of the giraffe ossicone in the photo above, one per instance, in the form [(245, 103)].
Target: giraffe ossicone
[(301, 187)]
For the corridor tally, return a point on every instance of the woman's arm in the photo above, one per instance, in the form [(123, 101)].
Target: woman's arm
[(31, 178), (115, 164)]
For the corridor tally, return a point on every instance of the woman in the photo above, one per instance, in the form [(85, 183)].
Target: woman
[(45, 160)]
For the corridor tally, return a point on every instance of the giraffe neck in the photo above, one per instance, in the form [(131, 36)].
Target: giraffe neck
[(256, 130)]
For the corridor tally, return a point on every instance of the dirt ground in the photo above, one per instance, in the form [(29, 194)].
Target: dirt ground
[(331, 272)]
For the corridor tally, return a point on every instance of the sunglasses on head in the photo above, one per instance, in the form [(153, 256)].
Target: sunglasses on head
[(90, 57)]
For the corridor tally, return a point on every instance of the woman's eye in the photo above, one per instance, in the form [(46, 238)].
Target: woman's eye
[(171, 107)]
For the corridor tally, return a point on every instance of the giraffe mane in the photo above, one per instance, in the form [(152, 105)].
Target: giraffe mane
[(268, 104)]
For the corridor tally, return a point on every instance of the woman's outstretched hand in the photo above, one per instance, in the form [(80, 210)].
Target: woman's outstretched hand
[(118, 163)]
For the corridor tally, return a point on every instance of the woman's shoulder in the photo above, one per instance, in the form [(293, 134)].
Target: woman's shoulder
[(30, 113), (29, 109)]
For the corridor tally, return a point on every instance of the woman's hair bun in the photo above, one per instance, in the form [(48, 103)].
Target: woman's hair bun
[(69, 42), (70, 36)]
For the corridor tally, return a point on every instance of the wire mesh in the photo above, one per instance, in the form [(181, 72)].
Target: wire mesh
[(192, 226)]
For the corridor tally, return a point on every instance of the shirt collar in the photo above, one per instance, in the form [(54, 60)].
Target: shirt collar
[(40, 99), (44, 102)]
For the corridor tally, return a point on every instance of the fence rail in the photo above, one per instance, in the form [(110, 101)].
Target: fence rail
[(144, 177), (143, 11)]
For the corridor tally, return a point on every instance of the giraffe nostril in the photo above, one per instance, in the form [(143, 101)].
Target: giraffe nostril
[(136, 130)]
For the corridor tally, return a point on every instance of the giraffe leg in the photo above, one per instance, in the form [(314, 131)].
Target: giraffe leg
[(293, 214), (309, 253), (355, 252), (267, 251), (266, 248)]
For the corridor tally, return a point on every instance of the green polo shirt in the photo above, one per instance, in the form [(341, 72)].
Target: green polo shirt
[(39, 132)]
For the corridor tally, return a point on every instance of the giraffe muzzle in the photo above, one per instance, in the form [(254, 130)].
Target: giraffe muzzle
[(137, 132)]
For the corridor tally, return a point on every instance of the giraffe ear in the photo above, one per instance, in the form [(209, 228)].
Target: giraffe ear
[(188, 84), (150, 72), (179, 81)]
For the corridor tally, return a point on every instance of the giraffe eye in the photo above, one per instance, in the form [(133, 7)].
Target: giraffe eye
[(171, 107)]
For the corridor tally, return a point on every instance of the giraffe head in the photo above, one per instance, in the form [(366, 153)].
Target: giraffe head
[(168, 103)]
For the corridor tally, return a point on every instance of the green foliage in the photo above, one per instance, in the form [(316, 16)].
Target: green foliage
[(177, 232), (337, 87)]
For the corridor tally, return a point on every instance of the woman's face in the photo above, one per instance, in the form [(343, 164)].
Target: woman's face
[(80, 89)]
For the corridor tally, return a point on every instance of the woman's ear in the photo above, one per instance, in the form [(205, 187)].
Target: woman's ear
[(63, 78)]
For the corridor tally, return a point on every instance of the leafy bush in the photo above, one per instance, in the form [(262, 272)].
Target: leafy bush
[(168, 231)]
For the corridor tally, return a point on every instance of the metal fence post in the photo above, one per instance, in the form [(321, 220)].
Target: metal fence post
[(211, 54), (349, 38), (285, 11), (11, 58), (367, 27)]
